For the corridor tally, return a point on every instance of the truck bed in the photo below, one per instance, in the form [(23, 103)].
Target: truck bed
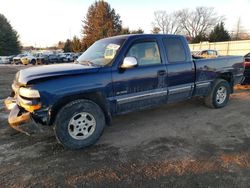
[(208, 69)]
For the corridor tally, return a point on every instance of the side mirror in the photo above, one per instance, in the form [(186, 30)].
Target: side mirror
[(129, 62)]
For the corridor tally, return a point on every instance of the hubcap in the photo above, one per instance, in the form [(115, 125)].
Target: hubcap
[(221, 95), (81, 126)]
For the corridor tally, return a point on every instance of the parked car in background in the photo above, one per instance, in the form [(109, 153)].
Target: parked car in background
[(115, 76), (28, 59), (5, 59), (17, 59), (68, 57), (76, 55), (65, 57), (246, 80), (41, 59), (206, 54), (2, 60), (45, 58), (11, 58), (61, 56), (53, 58)]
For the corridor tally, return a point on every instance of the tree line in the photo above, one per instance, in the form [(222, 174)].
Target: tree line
[(200, 24), (101, 21)]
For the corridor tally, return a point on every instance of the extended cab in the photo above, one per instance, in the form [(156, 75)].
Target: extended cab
[(115, 76)]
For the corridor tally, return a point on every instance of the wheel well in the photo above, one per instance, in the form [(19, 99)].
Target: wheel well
[(228, 76), (95, 97)]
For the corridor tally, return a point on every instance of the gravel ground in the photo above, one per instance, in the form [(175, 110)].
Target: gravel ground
[(178, 145)]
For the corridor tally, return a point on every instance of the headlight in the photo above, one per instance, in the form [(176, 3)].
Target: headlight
[(29, 93)]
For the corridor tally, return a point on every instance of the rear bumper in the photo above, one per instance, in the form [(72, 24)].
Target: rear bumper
[(247, 73), (246, 80)]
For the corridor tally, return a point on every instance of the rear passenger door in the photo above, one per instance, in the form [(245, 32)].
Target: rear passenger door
[(180, 66)]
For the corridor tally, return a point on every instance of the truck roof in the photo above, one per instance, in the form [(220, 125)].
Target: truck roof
[(140, 36)]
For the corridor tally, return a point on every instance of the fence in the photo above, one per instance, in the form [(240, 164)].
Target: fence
[(241, 47)]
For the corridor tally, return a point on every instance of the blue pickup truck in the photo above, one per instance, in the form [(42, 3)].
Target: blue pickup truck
[(115, 76)]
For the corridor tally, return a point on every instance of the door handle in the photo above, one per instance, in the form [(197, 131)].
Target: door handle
[(161, 72)]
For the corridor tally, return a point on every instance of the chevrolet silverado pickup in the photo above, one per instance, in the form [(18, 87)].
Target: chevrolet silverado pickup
[(114, 76)]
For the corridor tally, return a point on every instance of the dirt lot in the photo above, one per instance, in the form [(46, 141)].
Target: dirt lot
[(179, 145)]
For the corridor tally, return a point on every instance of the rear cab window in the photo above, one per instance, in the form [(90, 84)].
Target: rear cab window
[(175, 50)]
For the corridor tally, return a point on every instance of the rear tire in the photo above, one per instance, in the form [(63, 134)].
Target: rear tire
[(219, 95), (33, 62), (79, 124)]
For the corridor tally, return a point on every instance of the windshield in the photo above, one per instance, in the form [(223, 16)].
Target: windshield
[(21, 55), (101, 53)]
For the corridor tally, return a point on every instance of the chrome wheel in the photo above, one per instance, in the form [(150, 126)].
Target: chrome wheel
[(221, 95), (81, 126)]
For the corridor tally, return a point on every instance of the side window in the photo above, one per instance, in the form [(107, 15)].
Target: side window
[(175, 50), (210, 52), (204, 53), (146, 53)]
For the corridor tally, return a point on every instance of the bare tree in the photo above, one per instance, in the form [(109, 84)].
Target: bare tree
[(238, 28), (239, 33), (166, 23), (200, 21)]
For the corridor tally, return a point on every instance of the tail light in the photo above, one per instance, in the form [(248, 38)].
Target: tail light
[(247, 63)]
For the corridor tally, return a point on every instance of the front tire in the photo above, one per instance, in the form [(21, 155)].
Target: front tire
[(219, 95), (79, 124)]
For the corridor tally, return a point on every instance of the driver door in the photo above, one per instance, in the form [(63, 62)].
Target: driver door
[(144, 85)]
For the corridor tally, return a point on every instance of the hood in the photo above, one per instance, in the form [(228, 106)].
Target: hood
[(47, 71)]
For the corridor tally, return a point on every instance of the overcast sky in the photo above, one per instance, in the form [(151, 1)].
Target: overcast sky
[(45, 22)]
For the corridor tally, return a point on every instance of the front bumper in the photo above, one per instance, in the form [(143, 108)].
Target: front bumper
[(25, 61), (16, 61), (17, 116)]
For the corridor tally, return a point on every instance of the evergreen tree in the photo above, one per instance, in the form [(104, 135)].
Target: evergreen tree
[(76, 45), (9, 43), (68, 46), (60, 45), (101, 21), (219, 33), (199, 38)]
